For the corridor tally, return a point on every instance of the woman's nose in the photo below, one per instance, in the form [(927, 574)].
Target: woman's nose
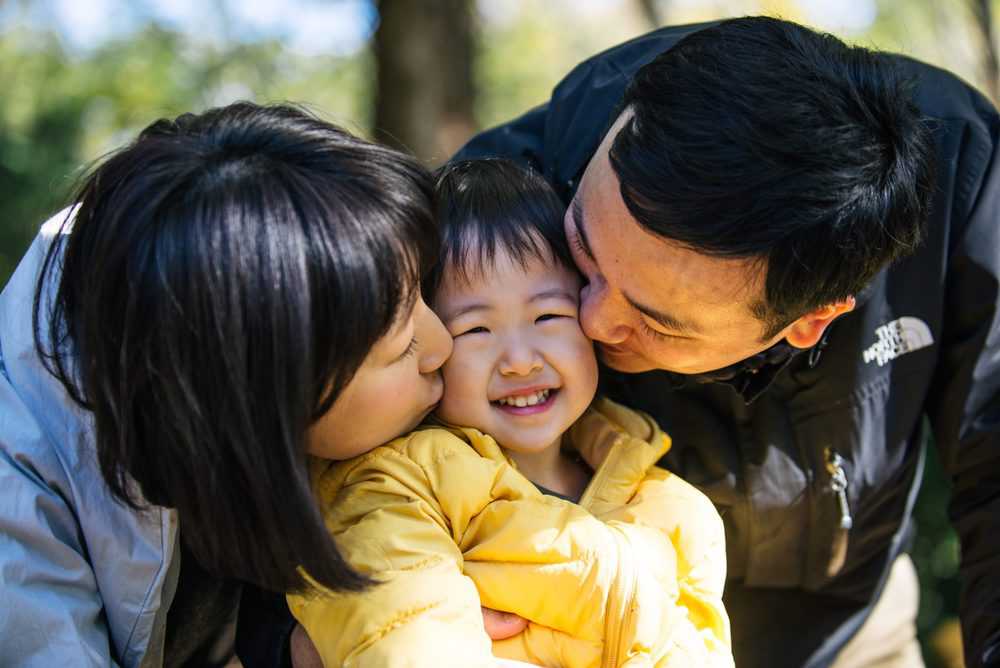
[(602, 317), (434, 341)]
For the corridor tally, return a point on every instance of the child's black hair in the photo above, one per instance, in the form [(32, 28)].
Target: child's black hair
[(489, 205), (221, 281)]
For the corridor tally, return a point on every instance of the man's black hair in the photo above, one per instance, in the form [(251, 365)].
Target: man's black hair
[(759, 138), (493, 205), (222, 279)]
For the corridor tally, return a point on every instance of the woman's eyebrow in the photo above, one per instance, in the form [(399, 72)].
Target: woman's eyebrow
[(576, 214)]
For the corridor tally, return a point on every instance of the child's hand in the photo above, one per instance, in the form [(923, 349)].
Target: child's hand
[(502, 625)]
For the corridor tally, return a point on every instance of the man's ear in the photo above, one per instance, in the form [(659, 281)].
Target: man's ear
[(808, 329)]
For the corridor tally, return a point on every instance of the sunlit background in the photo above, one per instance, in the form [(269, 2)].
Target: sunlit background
[(80, 77)]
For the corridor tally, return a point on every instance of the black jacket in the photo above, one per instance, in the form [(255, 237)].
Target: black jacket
[(922, 349)]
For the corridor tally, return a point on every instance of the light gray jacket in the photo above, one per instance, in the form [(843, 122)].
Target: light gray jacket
[(84, 580)]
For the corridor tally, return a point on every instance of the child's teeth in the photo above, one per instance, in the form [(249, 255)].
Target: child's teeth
[(526, 399)]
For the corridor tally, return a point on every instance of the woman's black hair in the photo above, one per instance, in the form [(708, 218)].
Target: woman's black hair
[(488, 205), (222, 279), (759, 138)]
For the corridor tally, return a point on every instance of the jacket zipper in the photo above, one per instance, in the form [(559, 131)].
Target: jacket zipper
[(838, 485)]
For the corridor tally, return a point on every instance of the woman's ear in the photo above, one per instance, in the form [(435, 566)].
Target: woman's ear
[(808, 329)]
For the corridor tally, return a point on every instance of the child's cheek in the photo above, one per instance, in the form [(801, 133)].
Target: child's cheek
[(464, 379), (586, 359)]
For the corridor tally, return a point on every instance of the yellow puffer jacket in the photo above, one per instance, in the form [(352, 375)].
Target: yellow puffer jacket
[(631, 576)]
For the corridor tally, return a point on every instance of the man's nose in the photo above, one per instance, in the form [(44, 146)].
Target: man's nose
[(519, 357), (434, 342), (602, 317)]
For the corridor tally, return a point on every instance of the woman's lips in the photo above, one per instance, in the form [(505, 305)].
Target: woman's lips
[(437, 393)]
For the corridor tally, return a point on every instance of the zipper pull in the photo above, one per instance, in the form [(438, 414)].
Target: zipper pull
[(838, 485)]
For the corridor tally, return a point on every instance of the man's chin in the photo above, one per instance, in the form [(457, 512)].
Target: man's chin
[(623, 360)]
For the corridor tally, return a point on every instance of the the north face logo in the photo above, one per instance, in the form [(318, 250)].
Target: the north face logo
[(898, 338)]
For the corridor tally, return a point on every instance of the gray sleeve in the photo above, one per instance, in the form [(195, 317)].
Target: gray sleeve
[(51, 612)]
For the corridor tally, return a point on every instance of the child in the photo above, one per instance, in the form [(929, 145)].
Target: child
[(451, 518)]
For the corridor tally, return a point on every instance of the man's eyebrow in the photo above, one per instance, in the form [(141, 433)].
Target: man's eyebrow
[(576, 213), (665, 319)]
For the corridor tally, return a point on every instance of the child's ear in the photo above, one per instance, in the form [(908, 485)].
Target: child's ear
[(808, 329)]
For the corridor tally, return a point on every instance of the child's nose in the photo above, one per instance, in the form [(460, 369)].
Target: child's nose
[(520, 359)]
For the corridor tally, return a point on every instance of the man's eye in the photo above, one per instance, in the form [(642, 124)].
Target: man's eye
[(652, 333), (578, 245), (473, 330)]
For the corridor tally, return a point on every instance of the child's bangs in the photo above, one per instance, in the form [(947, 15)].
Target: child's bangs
[(472, 254), (494, 207)]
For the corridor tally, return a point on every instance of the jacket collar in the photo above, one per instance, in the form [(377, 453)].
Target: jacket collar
[(749, 377), (752, 376)]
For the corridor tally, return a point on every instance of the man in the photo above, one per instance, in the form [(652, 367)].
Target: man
[(792, 260)]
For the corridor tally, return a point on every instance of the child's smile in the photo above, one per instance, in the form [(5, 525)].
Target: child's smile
[(527, 402)]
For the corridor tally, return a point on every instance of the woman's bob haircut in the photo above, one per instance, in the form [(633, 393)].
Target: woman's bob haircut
[(221, 280)]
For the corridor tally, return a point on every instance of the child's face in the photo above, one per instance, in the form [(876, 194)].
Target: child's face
[(521, 369), (395, 388)]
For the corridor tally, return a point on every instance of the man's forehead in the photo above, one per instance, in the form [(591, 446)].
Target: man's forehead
[(665, 275), (655, 273)]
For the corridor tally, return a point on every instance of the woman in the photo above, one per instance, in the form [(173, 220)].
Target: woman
[(232, 289)]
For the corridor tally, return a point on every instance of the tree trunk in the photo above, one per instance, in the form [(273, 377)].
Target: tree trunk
[(424, 90), (653, 12), (984, 25)]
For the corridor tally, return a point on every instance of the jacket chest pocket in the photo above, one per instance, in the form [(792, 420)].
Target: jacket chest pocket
[(859, 456), (831, 518), (802, 476)]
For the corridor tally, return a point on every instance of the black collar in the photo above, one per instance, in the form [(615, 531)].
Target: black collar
[(749, 377)]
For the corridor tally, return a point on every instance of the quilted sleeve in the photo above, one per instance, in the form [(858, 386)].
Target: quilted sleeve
[(423, 611)]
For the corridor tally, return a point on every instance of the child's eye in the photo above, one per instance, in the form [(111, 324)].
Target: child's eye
[(473, 330), (550, 316)]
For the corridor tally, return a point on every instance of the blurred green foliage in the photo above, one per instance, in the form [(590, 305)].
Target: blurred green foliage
[(935, 554), (61, 111)]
